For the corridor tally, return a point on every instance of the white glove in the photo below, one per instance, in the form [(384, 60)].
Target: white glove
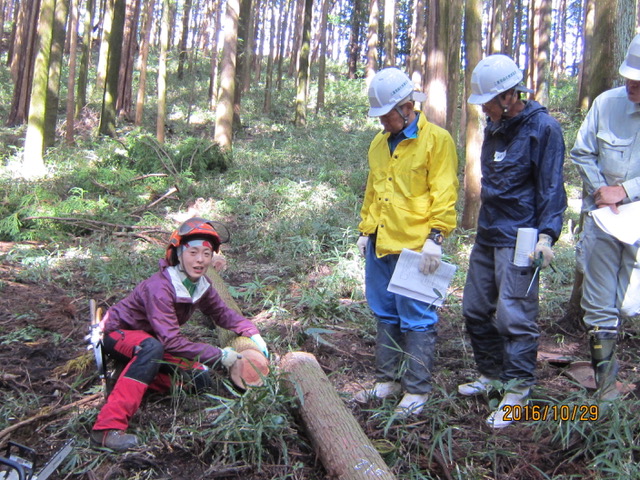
[(229, 357), (543, 247), (431, 257), (262, 345), (363, 243)]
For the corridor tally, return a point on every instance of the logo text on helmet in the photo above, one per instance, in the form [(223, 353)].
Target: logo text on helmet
[(506, 77), (399, 88)]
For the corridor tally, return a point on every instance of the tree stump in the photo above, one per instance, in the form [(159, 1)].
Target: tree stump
[(344, 449)]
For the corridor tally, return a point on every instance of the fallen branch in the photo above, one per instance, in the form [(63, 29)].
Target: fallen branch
[(167, 194), (55, 412)]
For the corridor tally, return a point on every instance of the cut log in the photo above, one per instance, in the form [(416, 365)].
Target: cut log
[(343, 448), (243, 373)]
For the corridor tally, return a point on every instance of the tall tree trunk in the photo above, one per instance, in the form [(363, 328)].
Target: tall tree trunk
[(603, 68), (354, 40), (182, 57), (242, 66), (85, 56), (450, 32), (23, 61), (162, 70), (473, 124), (296, 34), (372, 39), (142, 61), (109, 99), (103, 55), (435, 106), (55, 70), (497, 19), (223, 134), (303, 66), (541, 49), (124, 103), (213, 79), (589, 12), (33, 161), (389, 33), (322, 61), (418, 44), (268, 85), (73, 44), (284, 22)]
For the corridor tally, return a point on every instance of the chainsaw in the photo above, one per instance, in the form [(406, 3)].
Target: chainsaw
[(19, 462), (94, 339)]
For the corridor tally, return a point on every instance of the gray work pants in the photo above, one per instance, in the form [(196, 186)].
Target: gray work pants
[(611, 285), (500, 316)]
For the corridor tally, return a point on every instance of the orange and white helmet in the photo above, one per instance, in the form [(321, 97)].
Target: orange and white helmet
[(196, 228)]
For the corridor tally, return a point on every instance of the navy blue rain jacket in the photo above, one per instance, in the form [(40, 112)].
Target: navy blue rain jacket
[(522, 180)]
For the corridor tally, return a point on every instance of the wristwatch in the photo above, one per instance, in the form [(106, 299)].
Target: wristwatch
[(436, 236)]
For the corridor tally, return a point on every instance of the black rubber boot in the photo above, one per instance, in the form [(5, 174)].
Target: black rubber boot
[(388, 352), (420, 349), (605, 366)]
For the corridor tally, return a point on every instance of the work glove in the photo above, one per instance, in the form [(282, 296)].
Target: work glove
[(543, 253), (431, 257), (262, 345), (229, 357), (363, 243)]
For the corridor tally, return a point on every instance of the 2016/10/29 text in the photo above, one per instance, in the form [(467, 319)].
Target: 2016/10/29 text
[(540, 413)]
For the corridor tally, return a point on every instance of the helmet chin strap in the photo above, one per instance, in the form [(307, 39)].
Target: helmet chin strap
[(404, 117)]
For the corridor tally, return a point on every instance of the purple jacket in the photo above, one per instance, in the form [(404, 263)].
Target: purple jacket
[(161, 303)]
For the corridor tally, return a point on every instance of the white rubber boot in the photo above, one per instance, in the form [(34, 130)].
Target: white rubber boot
[(379, 391), (481, 385), (516, 397), (411, 404)]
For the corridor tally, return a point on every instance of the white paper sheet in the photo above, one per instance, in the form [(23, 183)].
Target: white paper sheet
[(625, 226), (409, 281)]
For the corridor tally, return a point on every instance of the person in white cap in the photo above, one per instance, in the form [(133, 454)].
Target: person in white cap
[(607, 154), (522, 187), (409, 203)]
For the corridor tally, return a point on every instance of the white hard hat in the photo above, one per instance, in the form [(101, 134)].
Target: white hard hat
[(389, 87), (630, 68), (493, 75)]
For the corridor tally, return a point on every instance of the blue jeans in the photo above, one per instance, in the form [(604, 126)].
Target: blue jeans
[(409, 314)]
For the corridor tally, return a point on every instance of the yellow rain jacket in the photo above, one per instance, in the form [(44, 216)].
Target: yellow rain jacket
[(410, 191)]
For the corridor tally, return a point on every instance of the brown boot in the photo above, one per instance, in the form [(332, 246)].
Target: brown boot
[(116, 440)]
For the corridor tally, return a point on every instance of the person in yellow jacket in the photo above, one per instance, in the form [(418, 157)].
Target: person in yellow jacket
[(409, 203)]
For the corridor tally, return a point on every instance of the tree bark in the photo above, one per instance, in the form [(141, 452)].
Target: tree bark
[(268, 84), (109, 99), (354, 40), (55, 70), (73, 44), (418, 43), (588, 23), (372, 39), (389, 33), (124, 103), (242, 66), (142, 61), (322, 61), (23, 60), (343, 448), (33, 161), (435, 106), (182, 57), (223, 134), (162, 70), (541, 49), (473, 124), (303, 67), (85, 55)]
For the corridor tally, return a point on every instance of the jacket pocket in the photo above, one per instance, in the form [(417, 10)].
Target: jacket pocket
[(612, 160)]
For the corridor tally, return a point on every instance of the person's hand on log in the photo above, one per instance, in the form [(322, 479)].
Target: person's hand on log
[(262, 345), (229, 357)]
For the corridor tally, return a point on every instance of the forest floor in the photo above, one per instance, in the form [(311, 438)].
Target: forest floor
[(35, 366)]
